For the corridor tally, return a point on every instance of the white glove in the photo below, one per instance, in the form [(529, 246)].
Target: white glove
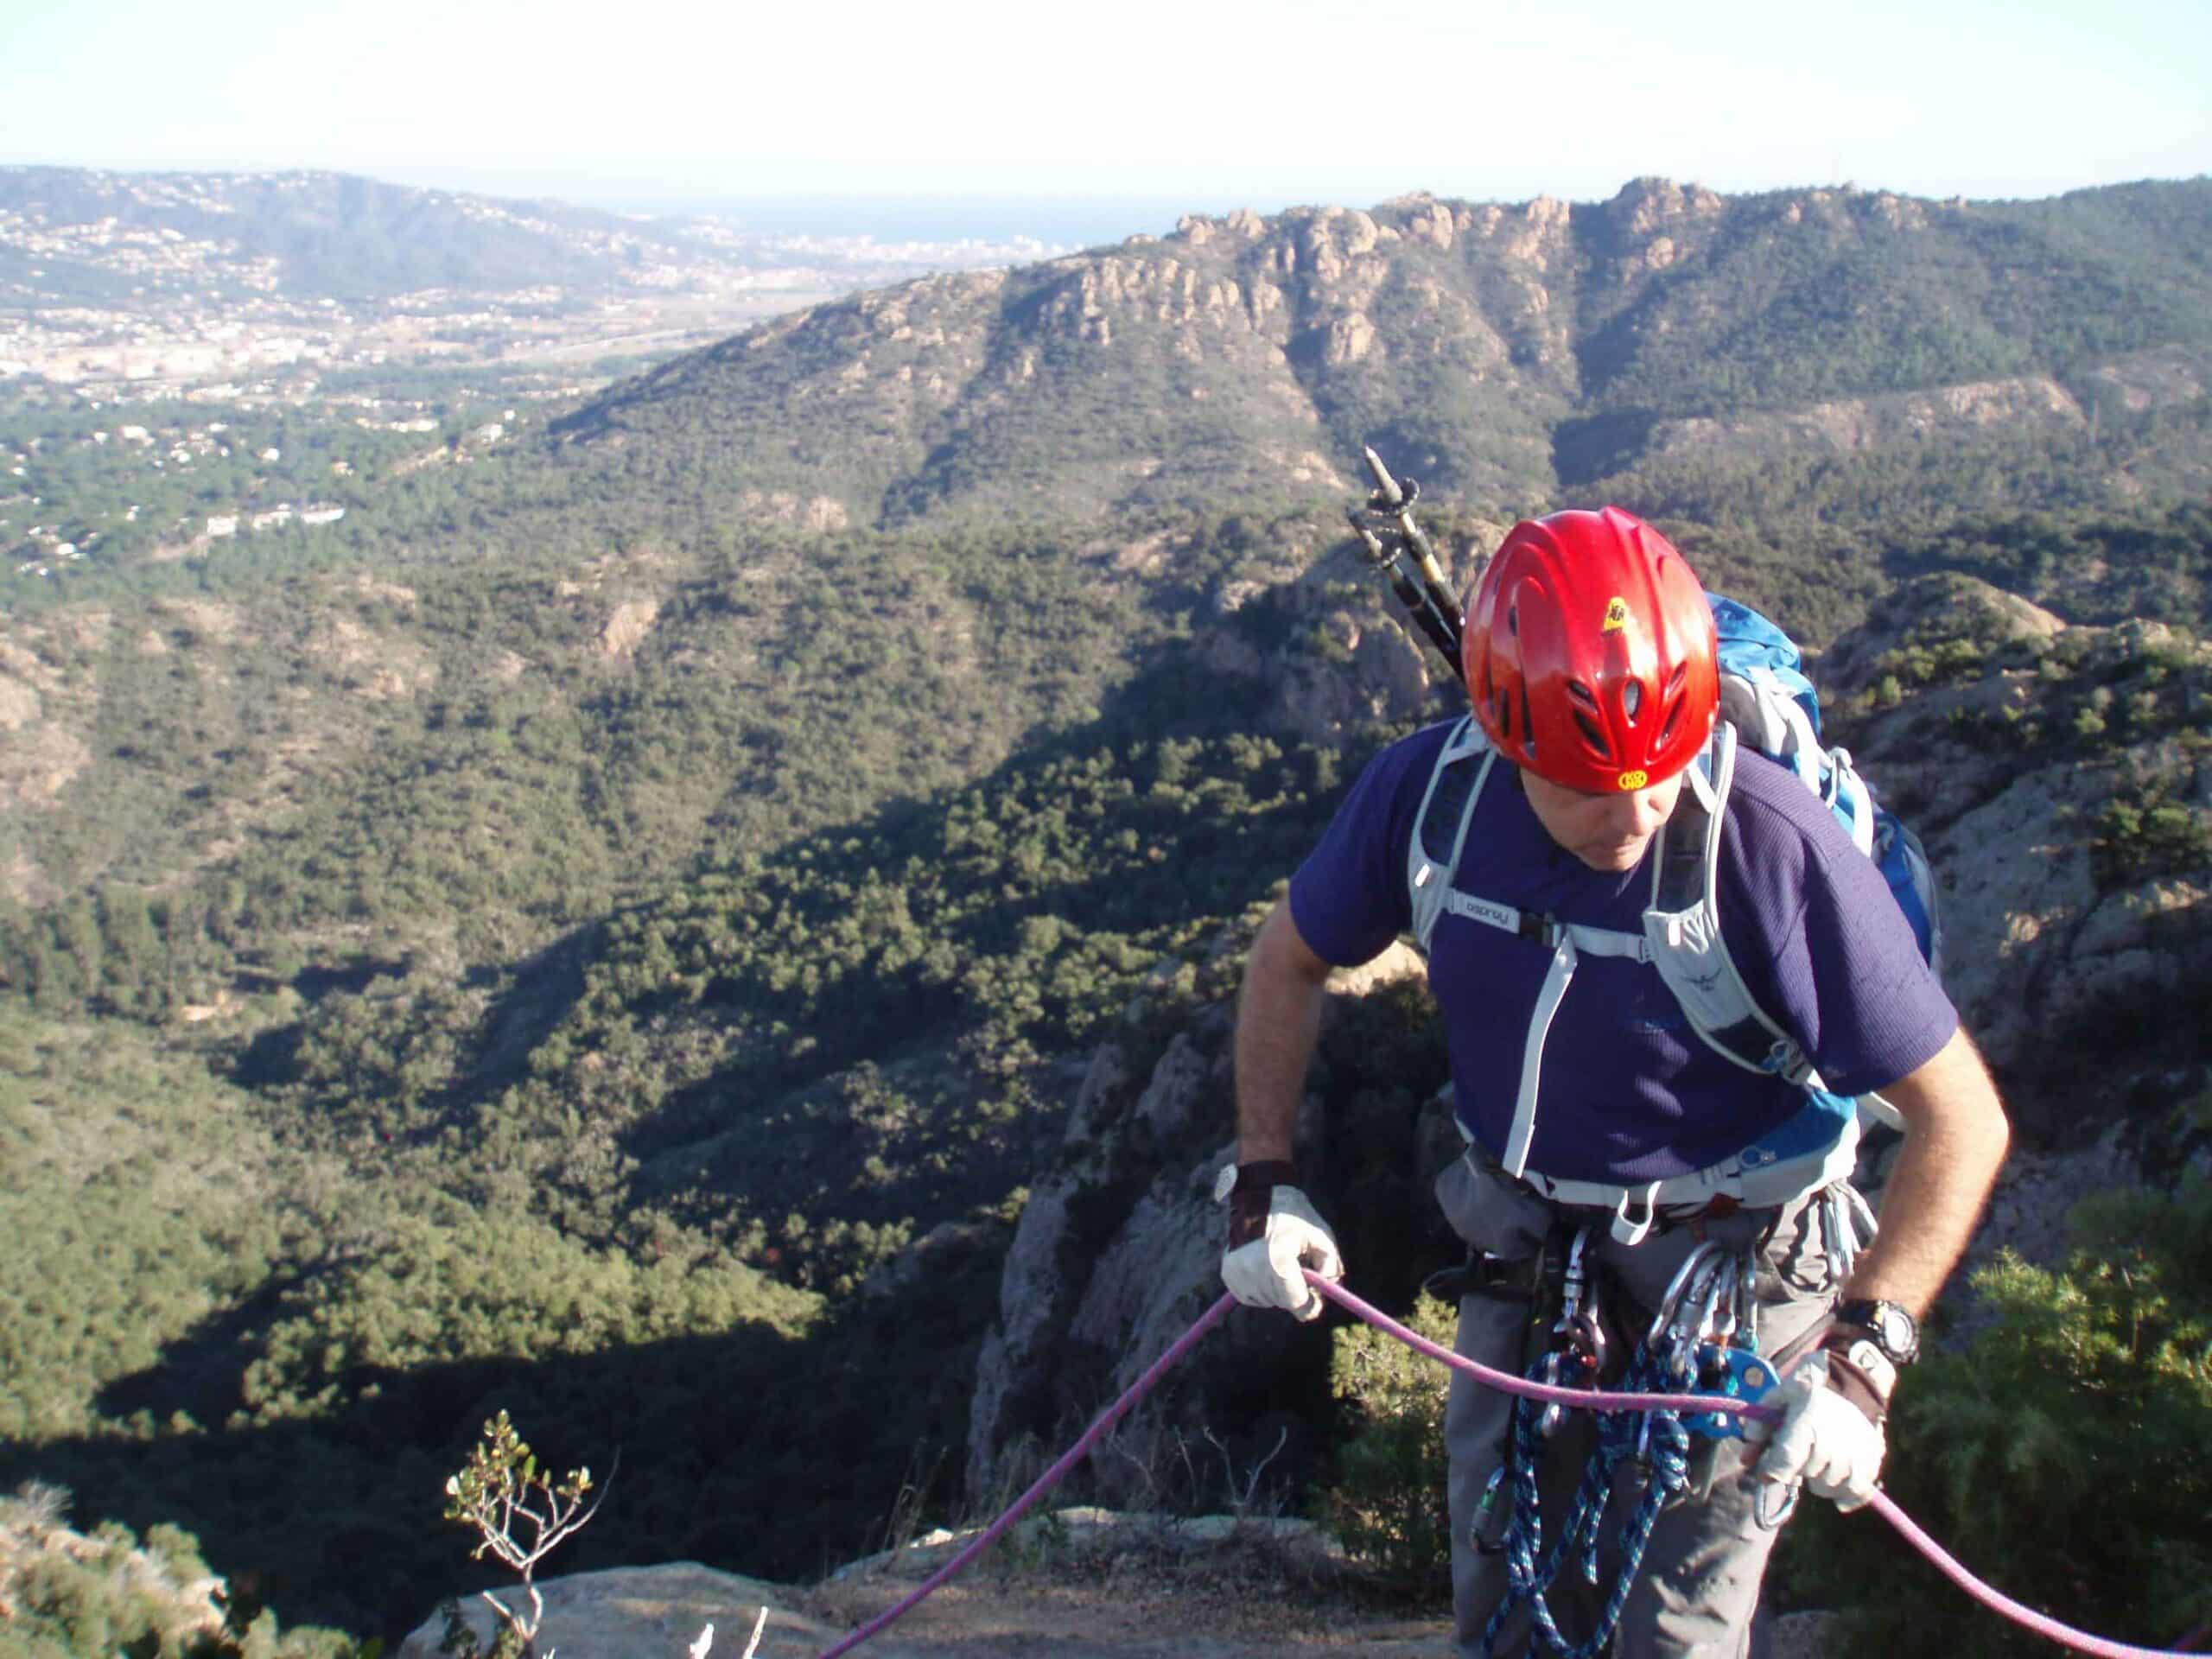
[(1823, 1440), (1264, 1272)]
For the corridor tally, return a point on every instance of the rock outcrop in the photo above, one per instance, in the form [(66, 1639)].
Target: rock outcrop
[(638, 1612), (1119, 1249), (626, 628), (50, 1571), (2042, 924)]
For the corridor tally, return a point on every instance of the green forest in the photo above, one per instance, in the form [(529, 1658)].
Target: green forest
[(573, 938)]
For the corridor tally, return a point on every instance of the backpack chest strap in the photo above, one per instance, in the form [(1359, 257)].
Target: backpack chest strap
[(1545, 930), (1680, 934)]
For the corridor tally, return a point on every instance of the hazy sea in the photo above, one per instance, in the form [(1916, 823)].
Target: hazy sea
[(1067, 221)]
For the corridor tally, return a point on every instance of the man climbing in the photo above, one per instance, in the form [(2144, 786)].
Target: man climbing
[(1624, 1154)]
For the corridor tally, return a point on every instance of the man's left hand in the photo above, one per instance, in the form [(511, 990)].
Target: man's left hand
[(1825, 1439)]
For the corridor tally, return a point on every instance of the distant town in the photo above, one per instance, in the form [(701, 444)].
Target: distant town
[(124, 303), (147, 319)]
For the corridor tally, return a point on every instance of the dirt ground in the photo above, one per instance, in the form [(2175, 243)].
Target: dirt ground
[(1101, 1620), (1226, 1603)]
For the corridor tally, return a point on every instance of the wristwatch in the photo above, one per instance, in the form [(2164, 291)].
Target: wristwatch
[(1892, 1327)]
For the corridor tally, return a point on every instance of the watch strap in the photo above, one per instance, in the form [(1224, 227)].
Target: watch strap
[(1860, 1372)]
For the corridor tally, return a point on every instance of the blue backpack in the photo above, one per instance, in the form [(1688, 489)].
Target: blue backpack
[(1765, 693)]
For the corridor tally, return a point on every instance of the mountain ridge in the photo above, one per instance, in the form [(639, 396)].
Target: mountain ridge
[(1477, 343)]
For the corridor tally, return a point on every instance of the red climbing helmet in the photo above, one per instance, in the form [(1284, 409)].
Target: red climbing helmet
[(1590, 653)]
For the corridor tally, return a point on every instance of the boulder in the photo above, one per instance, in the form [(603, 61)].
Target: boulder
[(638, 1612)]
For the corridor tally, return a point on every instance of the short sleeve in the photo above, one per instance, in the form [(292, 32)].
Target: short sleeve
[(1349, 898), (1881, 1012), (1820, 941)]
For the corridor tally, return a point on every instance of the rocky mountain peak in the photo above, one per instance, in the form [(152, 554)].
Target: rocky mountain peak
[(1645, 206)]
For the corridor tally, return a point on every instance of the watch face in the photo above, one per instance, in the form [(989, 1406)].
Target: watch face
[(1893, 1327)]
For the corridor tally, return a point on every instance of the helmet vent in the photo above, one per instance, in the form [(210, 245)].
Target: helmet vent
[(1592, 736), (1502, 707), (1513, 621), (1528, 725), (1632, 699), (1674, 703)]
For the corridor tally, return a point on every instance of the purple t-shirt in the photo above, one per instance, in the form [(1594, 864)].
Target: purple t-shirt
[(1629, 1092)]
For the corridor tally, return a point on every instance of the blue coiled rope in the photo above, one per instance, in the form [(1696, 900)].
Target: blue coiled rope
[(1656, 1438)]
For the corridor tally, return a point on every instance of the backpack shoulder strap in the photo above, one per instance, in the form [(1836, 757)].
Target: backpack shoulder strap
[(1773, 720), (1447, 807), (1682, 927)]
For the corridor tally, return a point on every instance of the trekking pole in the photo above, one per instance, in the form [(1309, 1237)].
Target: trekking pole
[(1395, 543)]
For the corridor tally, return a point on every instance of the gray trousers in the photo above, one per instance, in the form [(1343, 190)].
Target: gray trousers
[(1700, 1582)]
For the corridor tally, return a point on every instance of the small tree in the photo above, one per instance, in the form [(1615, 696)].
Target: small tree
[(520, 1515), (1388, 1506), (500, 1492)]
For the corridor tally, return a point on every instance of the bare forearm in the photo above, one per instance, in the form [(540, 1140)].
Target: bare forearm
[(1278, 1018), (1955, 1140)]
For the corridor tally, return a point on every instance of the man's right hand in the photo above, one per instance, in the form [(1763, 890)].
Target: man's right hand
[(1273, 1232)]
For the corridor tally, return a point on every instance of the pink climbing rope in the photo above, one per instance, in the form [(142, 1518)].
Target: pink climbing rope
[(2027, 1618), (1584, 1399), (1044, 1483), (1996, 1601)]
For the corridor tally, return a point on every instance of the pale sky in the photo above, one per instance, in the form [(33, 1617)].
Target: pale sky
[(1219, 105)]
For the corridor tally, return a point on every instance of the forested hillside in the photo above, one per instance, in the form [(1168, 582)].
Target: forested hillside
[(597, 965), (613, 928)]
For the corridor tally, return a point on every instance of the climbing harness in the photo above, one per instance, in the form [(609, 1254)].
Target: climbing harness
[(1628, 1400)]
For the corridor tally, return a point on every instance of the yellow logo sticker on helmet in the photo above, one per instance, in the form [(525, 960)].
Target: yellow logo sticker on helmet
[(1635, 779), (1616, 615)]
